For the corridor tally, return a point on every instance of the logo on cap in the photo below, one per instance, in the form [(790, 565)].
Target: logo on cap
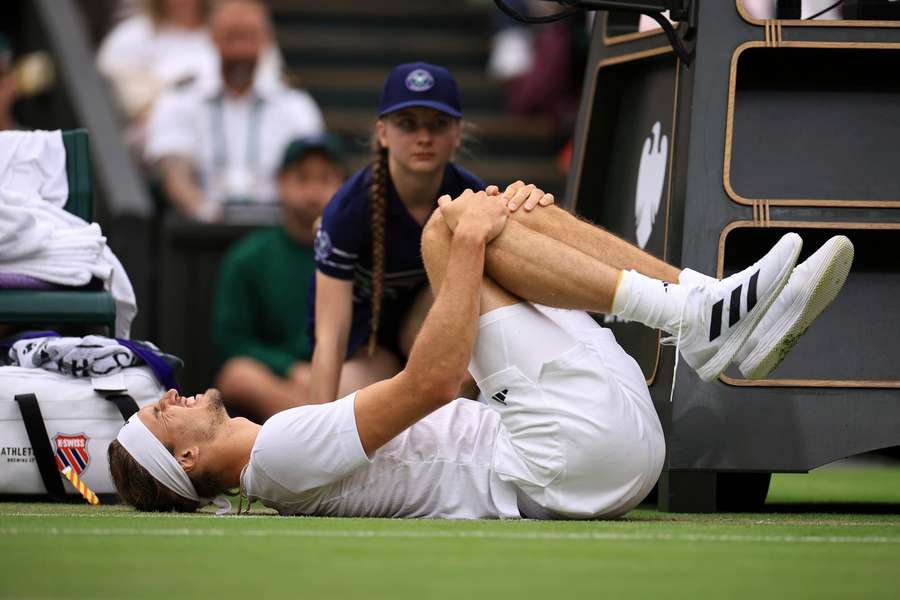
[(419, 80)]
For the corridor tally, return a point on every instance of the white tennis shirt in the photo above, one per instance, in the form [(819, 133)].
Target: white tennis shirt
[(309, 461)]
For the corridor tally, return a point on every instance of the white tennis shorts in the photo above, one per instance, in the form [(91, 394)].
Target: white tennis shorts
[(580, 437)]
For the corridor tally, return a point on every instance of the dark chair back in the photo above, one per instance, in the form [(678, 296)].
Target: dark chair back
[(78, 170)]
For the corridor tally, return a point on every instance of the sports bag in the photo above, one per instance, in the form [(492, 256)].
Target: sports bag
[(49, 421)]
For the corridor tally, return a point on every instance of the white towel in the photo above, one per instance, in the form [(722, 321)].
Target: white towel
[(35, 162), (40, 239)]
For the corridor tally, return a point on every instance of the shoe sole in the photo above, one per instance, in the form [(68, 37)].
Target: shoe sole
[(710, 370), (805, 309)]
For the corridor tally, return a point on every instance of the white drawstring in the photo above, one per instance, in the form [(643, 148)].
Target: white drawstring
[(667, 341)]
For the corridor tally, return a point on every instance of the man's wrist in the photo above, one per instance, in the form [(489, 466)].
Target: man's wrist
[(470, 233)]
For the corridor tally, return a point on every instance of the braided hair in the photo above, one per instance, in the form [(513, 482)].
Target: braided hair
[(377, 204)]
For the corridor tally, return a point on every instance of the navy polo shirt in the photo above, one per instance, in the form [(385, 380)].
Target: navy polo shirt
[(343, 250)]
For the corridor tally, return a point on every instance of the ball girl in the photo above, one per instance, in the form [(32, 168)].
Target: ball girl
[(371, 292)]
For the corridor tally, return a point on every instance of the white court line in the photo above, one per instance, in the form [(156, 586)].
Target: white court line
[(440, 535), (99, 514), (262, 516)]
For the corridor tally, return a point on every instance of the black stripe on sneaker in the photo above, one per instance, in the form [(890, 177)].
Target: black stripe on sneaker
[(751, 291), (734, 308), (715, 325)]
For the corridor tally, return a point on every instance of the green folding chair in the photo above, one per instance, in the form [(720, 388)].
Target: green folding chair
[(65, 307)]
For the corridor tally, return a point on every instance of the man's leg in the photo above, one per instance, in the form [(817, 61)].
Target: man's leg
[(495, 299), (580, 436), (435, 253), (528, 264), (812, 286), (511, 332), (595, 241), (712, 325)]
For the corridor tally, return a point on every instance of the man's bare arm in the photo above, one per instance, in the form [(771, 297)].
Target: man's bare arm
[(440, 356)]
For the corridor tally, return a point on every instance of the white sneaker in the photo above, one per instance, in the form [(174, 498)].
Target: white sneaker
[(719, 316), (810, 289)]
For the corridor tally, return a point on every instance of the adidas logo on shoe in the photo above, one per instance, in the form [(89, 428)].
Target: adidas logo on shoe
[(734, 307)]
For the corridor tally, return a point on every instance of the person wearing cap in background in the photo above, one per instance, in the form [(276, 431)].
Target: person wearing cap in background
[(260, 311), (370, 286), (7, 86)]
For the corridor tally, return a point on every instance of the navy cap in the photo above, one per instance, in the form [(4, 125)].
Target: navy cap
[(328, 144), (420, 84)]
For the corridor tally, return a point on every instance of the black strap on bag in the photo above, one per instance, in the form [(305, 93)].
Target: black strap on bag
[(125, 403), (40, 439), (40, 445)]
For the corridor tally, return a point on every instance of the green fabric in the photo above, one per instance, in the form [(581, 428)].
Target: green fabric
[(261, 303), (78, 172)]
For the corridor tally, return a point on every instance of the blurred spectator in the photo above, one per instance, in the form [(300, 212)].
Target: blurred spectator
[(166, 44), (260, 331), (21, 78), (101, 16), (220, 141), (7, 85), (541, 66), (512, 45)]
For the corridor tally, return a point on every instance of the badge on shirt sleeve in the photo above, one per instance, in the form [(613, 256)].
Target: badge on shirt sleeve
[(323, 245)]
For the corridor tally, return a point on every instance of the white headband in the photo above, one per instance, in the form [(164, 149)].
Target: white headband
[(148, 451)]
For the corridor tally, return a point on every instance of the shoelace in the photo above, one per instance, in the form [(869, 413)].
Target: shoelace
[(668, 341)]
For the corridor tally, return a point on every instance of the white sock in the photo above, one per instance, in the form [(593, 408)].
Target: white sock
[(654, 303), (689, 277)]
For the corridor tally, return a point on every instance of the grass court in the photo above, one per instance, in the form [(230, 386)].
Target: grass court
[(834, 533)]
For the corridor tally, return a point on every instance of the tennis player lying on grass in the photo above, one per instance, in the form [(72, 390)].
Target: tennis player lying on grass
[(568, 431)]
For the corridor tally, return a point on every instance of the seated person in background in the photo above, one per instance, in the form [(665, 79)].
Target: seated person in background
[(220, 141), (259, 320), (166, 44)]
